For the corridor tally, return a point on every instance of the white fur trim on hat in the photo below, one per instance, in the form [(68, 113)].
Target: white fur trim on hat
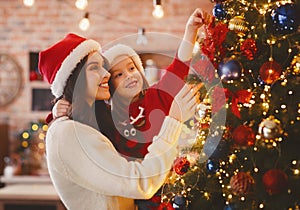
[(70, 62), (121, 49)]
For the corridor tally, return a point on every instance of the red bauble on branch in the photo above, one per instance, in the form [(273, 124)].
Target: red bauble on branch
[(270, 71), (181, 165), (275, 181), (241, 183), (243, 135)]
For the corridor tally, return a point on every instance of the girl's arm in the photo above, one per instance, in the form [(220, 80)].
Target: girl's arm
[(179, 68), (195, 21)]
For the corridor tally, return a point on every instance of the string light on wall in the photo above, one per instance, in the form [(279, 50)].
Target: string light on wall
[(84, 24), (81, 4), (141, 37), (158, 11), (28, 3)]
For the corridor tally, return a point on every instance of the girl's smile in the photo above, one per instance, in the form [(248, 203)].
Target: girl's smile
[(131, 84)]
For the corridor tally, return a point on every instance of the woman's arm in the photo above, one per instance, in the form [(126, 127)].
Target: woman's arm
[(87, 158)]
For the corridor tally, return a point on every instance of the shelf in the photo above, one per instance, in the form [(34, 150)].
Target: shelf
[(26, 180), (30, 196), (29, 192)]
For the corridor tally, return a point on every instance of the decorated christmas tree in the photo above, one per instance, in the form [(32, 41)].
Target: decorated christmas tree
[(245, 154), (28, 151)]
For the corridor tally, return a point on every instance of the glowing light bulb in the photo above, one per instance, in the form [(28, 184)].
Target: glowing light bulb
[(41, 136), (81, 4), (84, 24), (34, 127), (28, 3), (45, 127), (158, 11), (25, 135), (24, 144), (41, 145)]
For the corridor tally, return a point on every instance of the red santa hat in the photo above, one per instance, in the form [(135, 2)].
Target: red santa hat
[(57, 62), (120, 49)]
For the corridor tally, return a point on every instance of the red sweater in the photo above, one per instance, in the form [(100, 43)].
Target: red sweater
[(153, 107)]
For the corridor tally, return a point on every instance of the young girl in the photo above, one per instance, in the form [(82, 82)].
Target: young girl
[(137, 109)]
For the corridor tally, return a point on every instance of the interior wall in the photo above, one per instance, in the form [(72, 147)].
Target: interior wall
[(31, 29)]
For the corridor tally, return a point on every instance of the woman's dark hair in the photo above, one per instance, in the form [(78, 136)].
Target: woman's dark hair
[(74, 93), (104, 119)]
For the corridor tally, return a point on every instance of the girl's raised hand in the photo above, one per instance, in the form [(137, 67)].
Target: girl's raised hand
[(184, 103), (198, 18)]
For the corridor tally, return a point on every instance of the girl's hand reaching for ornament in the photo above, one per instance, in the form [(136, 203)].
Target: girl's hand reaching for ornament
[(184, 103)]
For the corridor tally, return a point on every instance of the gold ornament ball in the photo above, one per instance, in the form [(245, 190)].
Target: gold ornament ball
[(238, 25), (270, 128), (295, 64)]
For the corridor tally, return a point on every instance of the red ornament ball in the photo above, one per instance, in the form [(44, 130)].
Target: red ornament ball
[(275, 181), (241, 183), (33, 76), (270, 71), (163, 206), (243, 135), (181, 165)]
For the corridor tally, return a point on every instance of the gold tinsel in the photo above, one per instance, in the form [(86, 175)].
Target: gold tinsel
[(238, 25), (295, 65)]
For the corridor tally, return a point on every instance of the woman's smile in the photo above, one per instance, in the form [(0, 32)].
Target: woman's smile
[(104, 84)]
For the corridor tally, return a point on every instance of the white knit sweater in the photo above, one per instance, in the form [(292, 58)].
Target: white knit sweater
[(89, 174)]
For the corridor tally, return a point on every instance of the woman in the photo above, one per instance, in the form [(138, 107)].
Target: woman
[(86, 170)]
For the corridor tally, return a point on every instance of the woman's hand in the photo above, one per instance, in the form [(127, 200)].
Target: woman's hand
[(61, 108), (185, 102)]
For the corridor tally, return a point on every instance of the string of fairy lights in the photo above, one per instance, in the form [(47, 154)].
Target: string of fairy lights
[(36, 131), (263, 9), (265, 135), (84, 23)]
